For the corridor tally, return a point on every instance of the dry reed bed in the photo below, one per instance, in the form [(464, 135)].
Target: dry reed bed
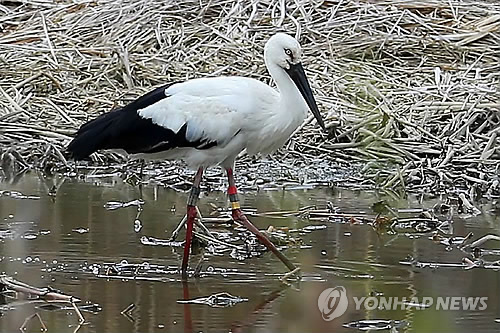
[(408, 89)]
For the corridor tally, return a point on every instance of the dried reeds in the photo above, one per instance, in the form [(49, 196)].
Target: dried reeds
[(410, 87)]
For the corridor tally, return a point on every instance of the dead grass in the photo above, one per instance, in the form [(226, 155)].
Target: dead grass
[(409, 89)]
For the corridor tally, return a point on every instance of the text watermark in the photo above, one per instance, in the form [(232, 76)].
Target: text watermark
[(333, 303)]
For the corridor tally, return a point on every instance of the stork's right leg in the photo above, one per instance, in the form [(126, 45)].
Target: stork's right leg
[(191, 215), (238, 215)]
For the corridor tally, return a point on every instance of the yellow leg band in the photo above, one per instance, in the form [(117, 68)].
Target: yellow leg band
[(235, 205)]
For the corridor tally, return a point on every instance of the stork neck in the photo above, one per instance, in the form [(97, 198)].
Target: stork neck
[(289, 94)]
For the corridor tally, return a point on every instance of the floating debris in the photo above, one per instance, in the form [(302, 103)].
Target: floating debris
[(146, 240), (124, 269), (7, 234), (281, 236), (29, 236), (112, 205), (310, 228), (81, 230), (420, 225), (475, 245), (450, 241), (17, 195), (410, 261), (376, 324), (23, 230), (27, 260), (465, 264), (220, 300), (137, 225), (376, 293), (39, 297)]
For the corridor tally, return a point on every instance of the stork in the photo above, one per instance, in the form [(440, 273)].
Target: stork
[(209, 121)]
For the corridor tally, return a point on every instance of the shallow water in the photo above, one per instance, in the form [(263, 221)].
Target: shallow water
[(64, 241)]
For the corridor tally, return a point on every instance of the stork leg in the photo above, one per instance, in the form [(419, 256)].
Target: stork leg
[(238, 215), (191, 215)]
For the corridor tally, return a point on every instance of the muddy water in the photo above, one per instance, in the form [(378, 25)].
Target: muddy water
[(64, 241)]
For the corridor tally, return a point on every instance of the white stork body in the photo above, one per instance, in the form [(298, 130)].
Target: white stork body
[(209, 121), (238, 113)]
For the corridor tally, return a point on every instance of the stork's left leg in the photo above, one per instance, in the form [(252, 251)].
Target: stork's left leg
[(240, 217), (191, 215)]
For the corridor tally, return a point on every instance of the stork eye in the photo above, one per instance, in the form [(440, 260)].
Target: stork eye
[(288, 52)]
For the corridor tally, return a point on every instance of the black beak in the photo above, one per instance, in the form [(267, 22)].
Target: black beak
[(296, 73)]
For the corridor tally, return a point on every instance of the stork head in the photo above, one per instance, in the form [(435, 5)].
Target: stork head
[(284, 51)]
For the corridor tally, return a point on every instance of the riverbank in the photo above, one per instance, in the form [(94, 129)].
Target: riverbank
[(409, 91)]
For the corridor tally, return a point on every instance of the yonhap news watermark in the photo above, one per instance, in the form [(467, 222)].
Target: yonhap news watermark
[(403, 303), (333, 303)]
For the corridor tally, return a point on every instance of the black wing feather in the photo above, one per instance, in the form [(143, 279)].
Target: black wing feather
[(124, 129)]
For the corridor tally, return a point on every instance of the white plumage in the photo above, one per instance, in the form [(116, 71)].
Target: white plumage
[(234, 113), (238, 113)]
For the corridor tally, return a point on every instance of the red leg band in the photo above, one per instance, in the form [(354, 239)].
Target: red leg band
[(232, 190)]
